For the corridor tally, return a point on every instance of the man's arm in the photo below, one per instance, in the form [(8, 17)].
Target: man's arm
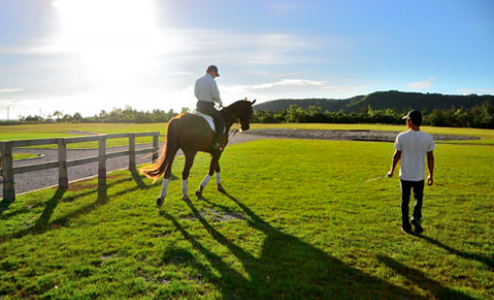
[(196, 90), (396, 159), (215, 93), (430, 165)]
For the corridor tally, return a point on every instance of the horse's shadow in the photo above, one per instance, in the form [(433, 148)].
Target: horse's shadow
[(287, 268), (45, 222)]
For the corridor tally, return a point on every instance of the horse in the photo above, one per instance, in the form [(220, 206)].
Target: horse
[(192, 134)]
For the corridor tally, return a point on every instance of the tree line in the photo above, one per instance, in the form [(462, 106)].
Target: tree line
[(116, 115), (478, 116)]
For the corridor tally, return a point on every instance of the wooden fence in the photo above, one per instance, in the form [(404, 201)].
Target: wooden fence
[(8, 169)]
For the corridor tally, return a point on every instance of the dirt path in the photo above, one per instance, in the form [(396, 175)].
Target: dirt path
[(352, 135), (40, 179)]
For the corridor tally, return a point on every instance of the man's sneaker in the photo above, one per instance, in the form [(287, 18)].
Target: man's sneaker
[(418, 227)]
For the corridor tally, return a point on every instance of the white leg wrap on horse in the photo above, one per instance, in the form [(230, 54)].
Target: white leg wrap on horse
[(205, 181), (164, 188), (185, 187), (218, 178)]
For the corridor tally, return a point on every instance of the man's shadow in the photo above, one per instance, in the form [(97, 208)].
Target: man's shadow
[(421, 280), (287, 268), (489, 262)]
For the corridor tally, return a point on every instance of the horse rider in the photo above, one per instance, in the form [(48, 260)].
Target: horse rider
[(207, 93)]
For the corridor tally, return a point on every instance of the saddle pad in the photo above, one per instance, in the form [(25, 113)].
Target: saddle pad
[(208, 119)]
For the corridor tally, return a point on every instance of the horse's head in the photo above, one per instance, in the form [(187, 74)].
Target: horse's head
[(243, 111)]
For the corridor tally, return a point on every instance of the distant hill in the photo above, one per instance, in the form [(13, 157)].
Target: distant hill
[(399, 101)]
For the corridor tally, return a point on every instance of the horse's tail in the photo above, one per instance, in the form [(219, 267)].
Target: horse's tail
[(164, 161)]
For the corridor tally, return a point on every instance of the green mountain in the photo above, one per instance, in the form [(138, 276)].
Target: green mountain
[(399, 101)]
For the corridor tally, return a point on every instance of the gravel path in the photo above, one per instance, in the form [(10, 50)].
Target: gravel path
[(40, 179), (353, 135)]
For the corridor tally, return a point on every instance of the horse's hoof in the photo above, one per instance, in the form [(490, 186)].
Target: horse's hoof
[(185, 197), (199, 194), (159, 202), (221, 189)]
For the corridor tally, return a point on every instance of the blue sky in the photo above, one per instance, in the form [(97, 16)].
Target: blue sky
[(85, 56)]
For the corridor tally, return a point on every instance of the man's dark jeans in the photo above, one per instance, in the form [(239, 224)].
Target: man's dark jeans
[(418, 194), (208, 109)]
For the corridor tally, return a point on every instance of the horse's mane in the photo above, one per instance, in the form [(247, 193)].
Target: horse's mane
[(237, 105)]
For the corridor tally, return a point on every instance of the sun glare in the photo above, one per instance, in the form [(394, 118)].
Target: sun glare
[(116, 40)]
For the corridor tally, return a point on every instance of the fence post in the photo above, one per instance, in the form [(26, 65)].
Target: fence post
[(63, 178), (8, 172), (132, 153), (156, 147), (102, 166)]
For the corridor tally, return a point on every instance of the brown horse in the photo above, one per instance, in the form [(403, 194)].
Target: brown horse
[(191, 133)]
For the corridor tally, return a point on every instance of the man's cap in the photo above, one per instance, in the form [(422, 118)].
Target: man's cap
[(415, 116), (213, 68)]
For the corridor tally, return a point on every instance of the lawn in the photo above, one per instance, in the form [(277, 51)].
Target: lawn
[(44, 131), (297, 223), (39, 131), (19, 156)]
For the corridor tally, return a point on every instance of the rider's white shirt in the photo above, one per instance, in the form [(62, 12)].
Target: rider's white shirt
[(206, 89)]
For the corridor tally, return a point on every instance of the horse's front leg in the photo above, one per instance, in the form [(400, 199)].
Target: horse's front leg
[(205, 181), (189, 161)]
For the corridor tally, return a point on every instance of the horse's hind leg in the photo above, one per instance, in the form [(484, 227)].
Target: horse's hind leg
[(189, 161), (166, 177)]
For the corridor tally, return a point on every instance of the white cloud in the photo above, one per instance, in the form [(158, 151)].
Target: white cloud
[(477, 91), (11, 90), (280, 83), (342, 88), (420, 85), (295, 83), (8, 102), (188, 46), (290, 88)]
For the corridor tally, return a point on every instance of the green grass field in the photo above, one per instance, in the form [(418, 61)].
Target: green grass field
[(44, 131), (39, 131), (297, 223), (19, 156)]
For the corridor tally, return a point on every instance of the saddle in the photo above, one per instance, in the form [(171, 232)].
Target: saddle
[(208, 119)]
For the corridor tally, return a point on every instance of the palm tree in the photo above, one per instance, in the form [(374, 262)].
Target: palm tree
[(57, 114)]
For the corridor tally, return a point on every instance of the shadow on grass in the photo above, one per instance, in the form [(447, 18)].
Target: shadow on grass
[(489, 262), (287, 267), (4, 205), (44, 224), (435, 288), (138, 179)]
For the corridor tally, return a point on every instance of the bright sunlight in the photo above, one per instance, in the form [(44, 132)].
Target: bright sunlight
[(117, 40)]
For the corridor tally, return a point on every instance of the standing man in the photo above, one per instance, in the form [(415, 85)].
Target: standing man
[(207, 93), (411, 147)]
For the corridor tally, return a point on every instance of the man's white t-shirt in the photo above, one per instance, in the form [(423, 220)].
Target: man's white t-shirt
[(414, 146)]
